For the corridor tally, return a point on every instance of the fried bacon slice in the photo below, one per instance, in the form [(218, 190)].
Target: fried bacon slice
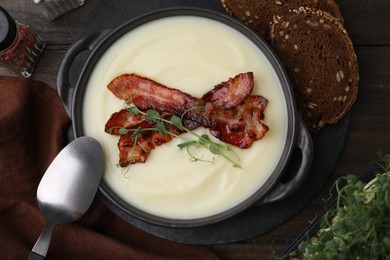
[(128, 152), (148, 94), (131, 152), (242, 125), (229, 112), (230, 93), (122, 119)]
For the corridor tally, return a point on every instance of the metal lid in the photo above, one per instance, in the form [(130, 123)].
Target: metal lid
[(7, 29)]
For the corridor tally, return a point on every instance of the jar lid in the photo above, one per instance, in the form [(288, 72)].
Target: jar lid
[(7, 29)]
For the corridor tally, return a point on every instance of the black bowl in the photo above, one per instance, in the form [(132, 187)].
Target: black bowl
[(296, 157)]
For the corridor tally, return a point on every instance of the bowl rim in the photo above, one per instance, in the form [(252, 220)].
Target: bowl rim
[(233, 23)]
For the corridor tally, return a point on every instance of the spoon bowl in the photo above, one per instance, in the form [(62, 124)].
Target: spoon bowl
[(68, 188)]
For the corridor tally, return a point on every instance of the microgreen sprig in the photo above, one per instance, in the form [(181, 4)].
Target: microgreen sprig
[(200, 141)]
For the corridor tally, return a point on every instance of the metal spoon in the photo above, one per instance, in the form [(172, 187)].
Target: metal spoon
[(68, 188)]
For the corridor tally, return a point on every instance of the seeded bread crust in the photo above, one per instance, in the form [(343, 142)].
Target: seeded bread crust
[(258, 14), (321, 62)]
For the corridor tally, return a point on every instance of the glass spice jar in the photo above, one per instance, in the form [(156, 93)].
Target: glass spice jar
[(52, 9), (20, 47)]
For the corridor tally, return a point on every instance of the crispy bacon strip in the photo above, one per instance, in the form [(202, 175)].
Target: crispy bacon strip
[(128, 153), (228, 110), (242, 125), (131, 152), (123, 118), (148, 94), (230, 93)]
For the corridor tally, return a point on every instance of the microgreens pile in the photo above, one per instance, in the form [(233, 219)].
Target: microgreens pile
[(359, 226), (199, 141)]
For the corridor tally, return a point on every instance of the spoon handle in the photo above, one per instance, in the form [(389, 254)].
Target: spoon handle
[(41, 247), (35, 256)]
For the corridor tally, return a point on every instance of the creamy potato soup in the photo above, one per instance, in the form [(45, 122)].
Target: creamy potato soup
[(191, 54)]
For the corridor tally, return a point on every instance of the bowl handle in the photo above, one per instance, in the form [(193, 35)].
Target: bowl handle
[(65, 87), (304, 151)]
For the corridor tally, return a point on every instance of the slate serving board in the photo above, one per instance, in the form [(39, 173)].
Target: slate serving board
[(328, 143)]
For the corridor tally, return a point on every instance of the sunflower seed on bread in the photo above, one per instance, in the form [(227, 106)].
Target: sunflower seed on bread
[(321, 62), (258, 14)]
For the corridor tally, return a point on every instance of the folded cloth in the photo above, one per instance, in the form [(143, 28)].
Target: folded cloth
[(33, 125)]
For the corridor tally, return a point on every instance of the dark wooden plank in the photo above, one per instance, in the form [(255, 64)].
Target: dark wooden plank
[(61, 31), (367, 22), (248, 251), (369, 131)]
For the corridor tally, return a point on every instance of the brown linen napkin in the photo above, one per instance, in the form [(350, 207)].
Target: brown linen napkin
[(33, 125)]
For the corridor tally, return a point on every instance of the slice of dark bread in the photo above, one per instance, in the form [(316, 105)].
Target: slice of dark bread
[(258, 14), (321, 62)]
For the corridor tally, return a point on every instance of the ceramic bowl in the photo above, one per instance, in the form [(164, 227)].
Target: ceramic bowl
[(292, 166)]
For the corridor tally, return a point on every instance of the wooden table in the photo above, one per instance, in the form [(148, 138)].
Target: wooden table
[(368, 23)]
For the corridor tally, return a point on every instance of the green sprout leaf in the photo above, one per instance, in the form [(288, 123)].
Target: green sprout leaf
[(152, 115), (123, 131), (160, 126), (136, 133), (186, 144), (214, 149), (176, 121), (134, 110)]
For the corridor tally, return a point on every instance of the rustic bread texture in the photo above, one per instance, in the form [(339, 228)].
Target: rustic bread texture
[(321, 62), (258, 14)]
